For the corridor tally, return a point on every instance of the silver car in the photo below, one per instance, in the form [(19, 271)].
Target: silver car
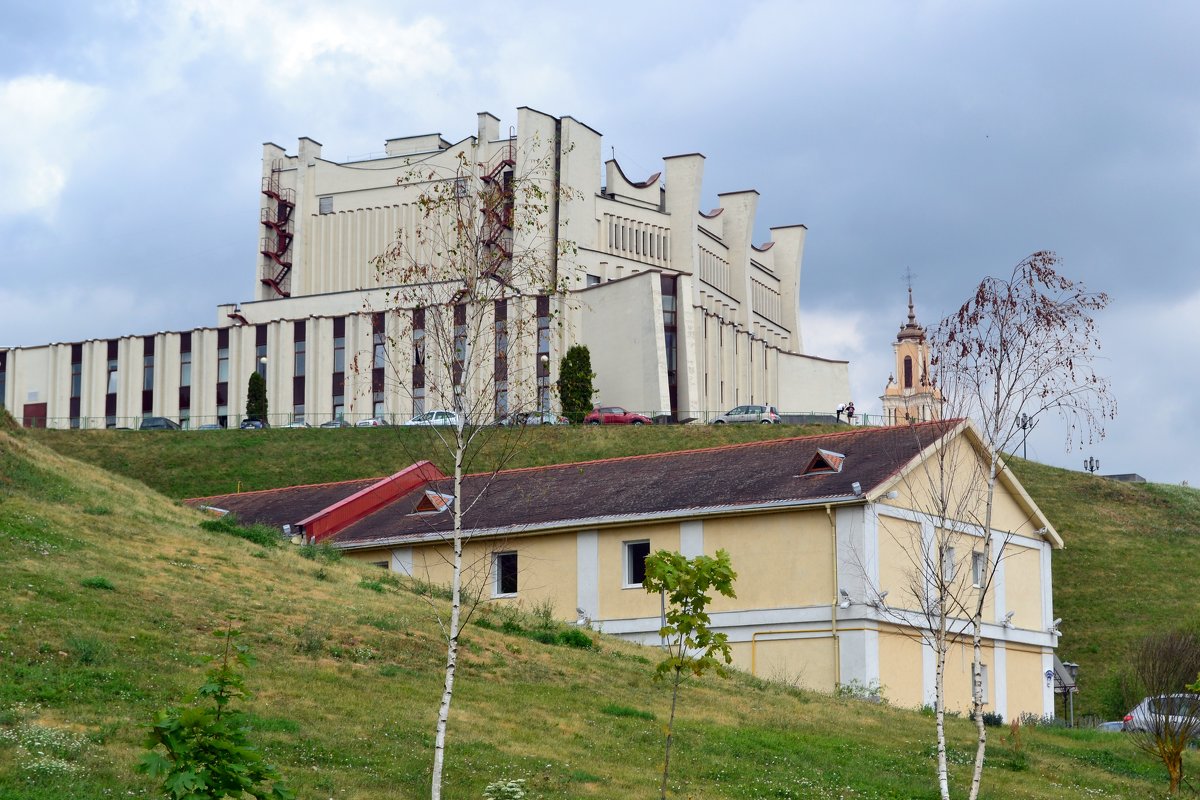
[(1176, 714), (767, 415), (438, 418)]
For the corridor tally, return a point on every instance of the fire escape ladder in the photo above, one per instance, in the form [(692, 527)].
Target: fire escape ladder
[(276, 216)]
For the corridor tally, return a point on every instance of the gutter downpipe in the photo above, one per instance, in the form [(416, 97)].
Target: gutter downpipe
[(809, 633), (833, 605)]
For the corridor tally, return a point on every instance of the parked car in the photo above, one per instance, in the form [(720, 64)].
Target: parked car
[(373, 422), (767, 415), (1116, 725), (159, 424), (436, 418), (534, 418), (252, 424), (209, 426), (1179, 713), (297, 424), (335, 423), (615, 415)]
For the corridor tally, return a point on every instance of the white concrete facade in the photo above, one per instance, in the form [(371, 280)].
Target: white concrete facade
[(684, 315)]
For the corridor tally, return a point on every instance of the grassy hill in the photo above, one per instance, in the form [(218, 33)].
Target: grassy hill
[(1129, 565), (112, 593)]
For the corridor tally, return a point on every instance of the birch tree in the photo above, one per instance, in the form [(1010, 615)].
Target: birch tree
[(1022, 346), (475, 282), (942, 572)]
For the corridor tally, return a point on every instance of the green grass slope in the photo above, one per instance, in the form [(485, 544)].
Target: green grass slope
[(112, 593), (1129, 566)]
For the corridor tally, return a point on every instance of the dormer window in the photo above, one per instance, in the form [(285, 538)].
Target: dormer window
[(824, 462), (434, 503)]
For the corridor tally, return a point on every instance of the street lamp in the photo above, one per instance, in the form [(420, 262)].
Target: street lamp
[(1091, 464), (1073, 670), (1026, 423), (262, 369)]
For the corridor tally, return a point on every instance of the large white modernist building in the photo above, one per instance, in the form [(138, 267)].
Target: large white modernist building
[(684, 315)]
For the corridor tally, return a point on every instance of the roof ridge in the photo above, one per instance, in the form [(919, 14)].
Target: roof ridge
[(710, 449), (284, 488)]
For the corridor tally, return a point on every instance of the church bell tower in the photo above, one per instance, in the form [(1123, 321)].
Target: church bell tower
[(910, 395)]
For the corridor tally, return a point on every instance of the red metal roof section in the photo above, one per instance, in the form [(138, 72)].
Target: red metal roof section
[(346, 512)]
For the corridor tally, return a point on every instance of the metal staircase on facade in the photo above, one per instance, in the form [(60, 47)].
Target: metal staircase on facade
[(276, 217)]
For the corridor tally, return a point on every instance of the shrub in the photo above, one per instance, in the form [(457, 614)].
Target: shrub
[(857, 690), (207, 752), (993, 719), (261, 535), (98, 582), (320, 552), (614, 710), (573, 637), (505, 790), (374, 586), (575, 378)]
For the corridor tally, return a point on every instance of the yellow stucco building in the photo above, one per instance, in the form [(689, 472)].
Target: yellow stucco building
[(831, 537)]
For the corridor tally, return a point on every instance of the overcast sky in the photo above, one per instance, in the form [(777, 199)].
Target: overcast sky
[(948, 138)]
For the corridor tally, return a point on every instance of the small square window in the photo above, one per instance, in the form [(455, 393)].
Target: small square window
[(325, 204), (505, 569), (636, 554)]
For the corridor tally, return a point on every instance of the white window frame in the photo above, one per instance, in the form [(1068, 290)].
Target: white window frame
[(986, 684), (627, 562), (497, 577)]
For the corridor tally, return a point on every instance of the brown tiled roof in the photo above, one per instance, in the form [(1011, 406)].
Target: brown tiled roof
[(279, 507), (758, 474)]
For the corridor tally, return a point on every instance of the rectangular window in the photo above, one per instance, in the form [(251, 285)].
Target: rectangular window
[(339, 349), (460, 343), (636, 554), (298, 351), (223, 364), (543, 352), (593, 280), (418, 358), (978, 563), (325, 204), (260, 350), (504, 566), (418, 400), (949, 568), (185, 369), (298, 412), (148, 372), (76, 370)]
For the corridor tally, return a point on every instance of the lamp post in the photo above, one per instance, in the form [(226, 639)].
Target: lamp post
[(1026, 423), (1091, 464), (1073, 669)]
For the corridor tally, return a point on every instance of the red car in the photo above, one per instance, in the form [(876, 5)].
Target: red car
[(615, 415)]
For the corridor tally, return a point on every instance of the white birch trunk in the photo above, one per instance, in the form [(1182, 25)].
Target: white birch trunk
[(439, 744), (977, 633), (939, 705)]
